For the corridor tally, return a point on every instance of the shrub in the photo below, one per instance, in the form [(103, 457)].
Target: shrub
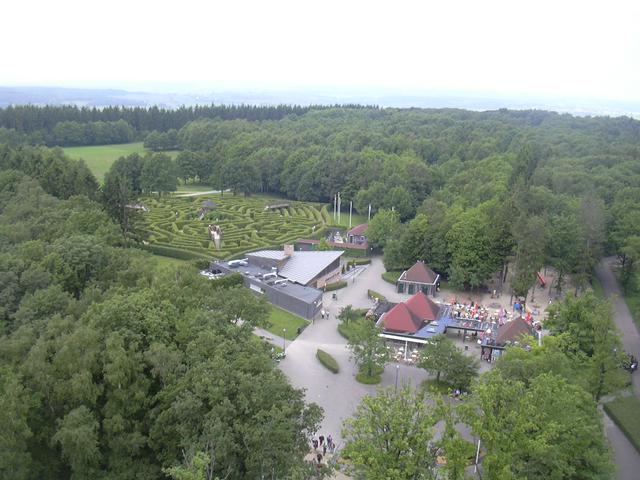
[(392, 276), (335, 286), (173, 252), (376, 378), (374, 294), (328, 361)]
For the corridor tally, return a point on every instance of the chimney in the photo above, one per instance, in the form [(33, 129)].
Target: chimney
[(288, 250)]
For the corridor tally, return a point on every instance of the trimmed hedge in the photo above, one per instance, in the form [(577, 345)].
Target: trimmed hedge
[(392, 276), (374, 294), (625, 412), (335, 286), (173, 252), (362, 378), (174, 227), (328, 361)]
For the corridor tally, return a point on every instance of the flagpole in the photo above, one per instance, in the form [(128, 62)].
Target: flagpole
[(369, 212), (335, 199), (339, 207), (350, 212)]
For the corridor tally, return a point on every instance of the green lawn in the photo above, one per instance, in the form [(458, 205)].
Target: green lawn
[(100, 157), (356, 218), (193, 187), (162, 261), (625, 411), (281, 319)]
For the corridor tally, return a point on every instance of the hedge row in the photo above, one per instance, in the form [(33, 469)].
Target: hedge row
[(392, 276), (335, 286), (173, 252), (373, 294), (328, 361)]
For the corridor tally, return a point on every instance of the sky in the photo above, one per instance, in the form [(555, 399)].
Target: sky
[(545, 48)]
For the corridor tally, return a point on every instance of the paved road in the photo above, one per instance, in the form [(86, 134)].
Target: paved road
[(626, 456), (339, 394)]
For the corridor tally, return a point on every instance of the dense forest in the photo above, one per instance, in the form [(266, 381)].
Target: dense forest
[(110, 368), (468, 192)]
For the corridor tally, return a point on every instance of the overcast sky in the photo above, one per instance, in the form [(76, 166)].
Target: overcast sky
[(551, 48)]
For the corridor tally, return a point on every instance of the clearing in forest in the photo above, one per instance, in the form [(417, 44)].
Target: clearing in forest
[(99, 158)]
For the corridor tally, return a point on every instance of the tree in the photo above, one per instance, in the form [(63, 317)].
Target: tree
[(549, 429), (631, 254), (77, 436), (440, 356), (436, 355), (472, 257), (390, 436), (384, 226), (187, 165), (158, 174), (589, 321), (531, 240), (368, 349), (15, 433), (347, 314)]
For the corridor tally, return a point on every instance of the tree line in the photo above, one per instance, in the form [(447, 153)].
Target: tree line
[(37, 124)]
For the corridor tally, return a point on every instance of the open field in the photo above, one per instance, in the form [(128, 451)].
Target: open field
[(175, 230), (100, 157)]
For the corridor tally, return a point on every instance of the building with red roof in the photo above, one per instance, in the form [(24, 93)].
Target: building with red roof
[(418, 278), (410, 316)]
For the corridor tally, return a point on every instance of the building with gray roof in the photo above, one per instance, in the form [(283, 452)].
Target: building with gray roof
[(288, 279)]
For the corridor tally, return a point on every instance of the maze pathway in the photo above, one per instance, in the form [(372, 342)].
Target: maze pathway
[(173, 222)]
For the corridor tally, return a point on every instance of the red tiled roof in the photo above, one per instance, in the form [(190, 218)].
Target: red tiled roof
[(423, 307), (401, 319), (358, 229), (512, 331), (419, 273)]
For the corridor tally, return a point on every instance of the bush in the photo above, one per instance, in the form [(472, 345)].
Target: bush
[(392, 276), (358, 261), (328, 361), (624, 412), (228, 281), (335, 286), (374, 294), (173, 252), (376, 378)]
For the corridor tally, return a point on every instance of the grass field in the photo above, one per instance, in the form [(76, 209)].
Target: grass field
[(625, 411), (174, 228), (356, 218), (100, 157), (281, 319)]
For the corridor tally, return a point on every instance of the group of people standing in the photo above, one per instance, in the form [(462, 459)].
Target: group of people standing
[(323, 444)]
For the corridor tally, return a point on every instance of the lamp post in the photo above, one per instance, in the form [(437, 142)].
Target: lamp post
[(397, 370), (284, 339)]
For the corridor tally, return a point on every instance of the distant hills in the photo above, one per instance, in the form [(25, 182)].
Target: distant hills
[(94, 97)]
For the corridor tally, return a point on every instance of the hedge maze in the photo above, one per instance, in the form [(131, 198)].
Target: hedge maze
[(174, 229)]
